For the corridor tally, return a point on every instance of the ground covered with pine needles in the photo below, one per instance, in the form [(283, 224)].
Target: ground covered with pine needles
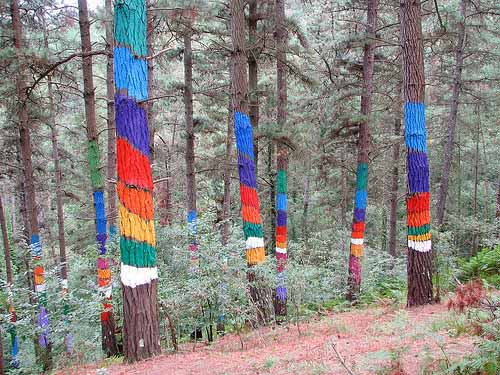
[(386, 339)]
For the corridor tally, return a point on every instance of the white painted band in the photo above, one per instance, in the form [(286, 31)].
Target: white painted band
[(64, 283), (106, 290), (280, 250), (253, 242), (421, 246), (357, 241), (40, 288), (133, 276)]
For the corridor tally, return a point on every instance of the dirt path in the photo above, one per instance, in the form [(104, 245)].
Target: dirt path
[(365, 339)]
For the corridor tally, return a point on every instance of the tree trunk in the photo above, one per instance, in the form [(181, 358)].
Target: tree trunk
[(2, 372), (497, 211), (190, 139), (10, 298), (139, 274), (271, 216), (226, 218), (305, 211), (475, 244), (110, 120), (281, 161), (150, 44), (358, 221), (63, 263), (103, 269), (250, 208), (253, 77), (393, 200), (226, 201), (419, 266), (43, 349), (452, 119)]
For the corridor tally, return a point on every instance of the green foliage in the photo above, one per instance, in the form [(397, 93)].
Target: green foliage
[(485, 265), (486, 358)]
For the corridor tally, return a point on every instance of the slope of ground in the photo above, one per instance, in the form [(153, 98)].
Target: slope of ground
[(365, 340)]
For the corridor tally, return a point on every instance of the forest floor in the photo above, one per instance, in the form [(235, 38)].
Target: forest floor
[(367, 341)]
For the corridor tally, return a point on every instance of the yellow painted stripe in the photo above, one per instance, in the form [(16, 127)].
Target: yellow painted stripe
[(281, 245), (420, 237), (134, 227), (356, 250), (256, 255)]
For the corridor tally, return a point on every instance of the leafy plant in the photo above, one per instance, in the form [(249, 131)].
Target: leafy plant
[(485, 265)]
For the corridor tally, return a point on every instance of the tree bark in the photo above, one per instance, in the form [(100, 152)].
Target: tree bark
[(43, 348), (250, 208), (10, 298), (452, 119), (139, 274), (63, 262), (110, 120), (393, 200), (419, 263), (358, 221), (150, 44), (103, 269), (226, 200), (190, 141), (253, 77), (281, 161)]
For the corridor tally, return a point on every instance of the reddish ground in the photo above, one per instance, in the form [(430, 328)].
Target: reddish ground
[(367, 340)]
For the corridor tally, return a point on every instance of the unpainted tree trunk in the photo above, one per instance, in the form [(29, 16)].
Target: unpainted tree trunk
[(497, 211), (190, 144), (63, 262), (452, 118), (358, 221), (109, 344), (43, 347), (10, 298), (475, 243), (393, 198), (226, 200), (419, 263), (150, 33), (281, 161), (110, 120), (139, 273), (253, 76)]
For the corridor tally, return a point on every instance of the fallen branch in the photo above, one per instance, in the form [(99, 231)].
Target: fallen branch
[(342, 360)]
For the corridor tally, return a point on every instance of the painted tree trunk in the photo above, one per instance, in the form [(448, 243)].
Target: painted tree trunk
[(14, 341), (419, 264), (189, 155), (250, 208), (43, 347), (110, 120), (452, 119), (281, 162), (358, 221), (93, 156), (139, 274)]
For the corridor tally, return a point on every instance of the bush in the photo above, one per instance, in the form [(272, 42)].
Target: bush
[(484, 265)]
